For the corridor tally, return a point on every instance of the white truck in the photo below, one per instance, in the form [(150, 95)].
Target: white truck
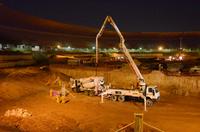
[(93, 85), (149, 94)]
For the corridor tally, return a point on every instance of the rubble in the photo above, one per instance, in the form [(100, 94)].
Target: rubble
[(19, 112)]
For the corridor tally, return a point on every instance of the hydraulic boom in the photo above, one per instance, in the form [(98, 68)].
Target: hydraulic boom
[(134, 67)]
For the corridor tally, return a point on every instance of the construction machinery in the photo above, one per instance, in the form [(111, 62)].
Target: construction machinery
[(149, 93), (93, 85)]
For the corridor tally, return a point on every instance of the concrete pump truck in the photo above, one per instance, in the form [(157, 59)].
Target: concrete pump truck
[(149, 94)]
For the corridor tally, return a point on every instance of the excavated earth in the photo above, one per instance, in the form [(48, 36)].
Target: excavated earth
[(28, 88)]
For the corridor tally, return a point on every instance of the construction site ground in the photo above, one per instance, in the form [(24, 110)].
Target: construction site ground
[(29, 89)]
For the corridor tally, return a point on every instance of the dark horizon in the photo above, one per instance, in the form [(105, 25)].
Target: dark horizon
[(130, 16), (17, 26)]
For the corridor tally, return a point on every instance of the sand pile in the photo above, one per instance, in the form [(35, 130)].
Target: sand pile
[(14, 89), (22, 72), (21, 82), (56, 78), (178, 85)]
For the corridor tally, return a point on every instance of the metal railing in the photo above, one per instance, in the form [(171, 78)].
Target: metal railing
[(138, 124)]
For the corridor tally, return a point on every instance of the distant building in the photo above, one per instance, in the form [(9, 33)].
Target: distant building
[(8, 46), (36, 48), (24, 47), (21, 47)]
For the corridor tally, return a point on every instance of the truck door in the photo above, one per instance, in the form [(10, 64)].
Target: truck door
[(150, 92)]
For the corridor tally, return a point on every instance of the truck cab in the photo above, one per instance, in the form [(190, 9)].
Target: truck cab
[(152, 95)]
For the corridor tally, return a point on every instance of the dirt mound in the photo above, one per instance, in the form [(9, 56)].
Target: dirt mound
[(54, 75), (55, 80), (22, 72), (14, 89), (21, 82), (125, 78), (177, 85), (43, 123)]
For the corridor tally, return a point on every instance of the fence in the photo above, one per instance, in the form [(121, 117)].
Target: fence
[(138, 124)]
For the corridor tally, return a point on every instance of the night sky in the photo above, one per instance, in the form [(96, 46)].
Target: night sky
[(130, 15)]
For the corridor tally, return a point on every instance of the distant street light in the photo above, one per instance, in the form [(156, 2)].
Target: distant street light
[(180, 57), (58, 46), (140, 48), (93, 47), (160, 48)]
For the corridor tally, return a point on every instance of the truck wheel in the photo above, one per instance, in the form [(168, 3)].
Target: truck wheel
[(149, 102), (114, 97), (77, 89), (86, 92), (91, 93), (73, 89), (121, 98)]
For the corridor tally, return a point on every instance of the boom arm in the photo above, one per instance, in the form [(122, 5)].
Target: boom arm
[(122, 45)]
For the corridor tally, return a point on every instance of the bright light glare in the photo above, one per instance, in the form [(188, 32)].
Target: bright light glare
[(58, 46), (93, 47), (180, 57), (140, 48), (160, 48)]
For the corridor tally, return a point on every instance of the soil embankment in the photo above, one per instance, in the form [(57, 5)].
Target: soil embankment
[(28, 88)]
